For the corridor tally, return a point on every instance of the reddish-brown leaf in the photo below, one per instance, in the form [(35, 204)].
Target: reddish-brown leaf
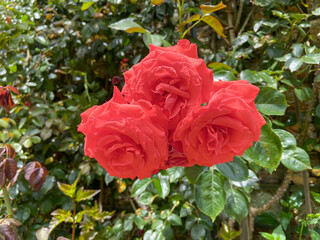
[(7, 231), (10, 168), (13, 89), (35, 174), (2, 172)]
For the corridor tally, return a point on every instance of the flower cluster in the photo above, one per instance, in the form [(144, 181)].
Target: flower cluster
[(171, 113)]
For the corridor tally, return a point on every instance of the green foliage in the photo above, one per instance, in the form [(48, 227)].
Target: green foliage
[(62, 57)]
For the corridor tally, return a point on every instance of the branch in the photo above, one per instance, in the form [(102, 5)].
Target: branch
[(246, 21), (279, 194), (239, 14)]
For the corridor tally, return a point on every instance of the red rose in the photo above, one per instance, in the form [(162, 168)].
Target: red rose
[(128, 140), (222, 129), (175, 159), (172, 78)]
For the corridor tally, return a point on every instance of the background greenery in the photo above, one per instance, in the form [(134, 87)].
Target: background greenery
[(65, 56)]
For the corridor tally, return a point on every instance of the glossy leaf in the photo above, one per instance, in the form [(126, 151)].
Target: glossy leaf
[(162, 186), (35, 174), (267, 151), (192, 173), (139, 186), (236, 170), (298, 160), (209, 194), (237, 205), (127, 25), (271, 102)]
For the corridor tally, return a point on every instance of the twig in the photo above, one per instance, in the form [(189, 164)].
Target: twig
[(279, 194), (239, 14), (304, 133), (245, 229), (230, 24), (246, 21)]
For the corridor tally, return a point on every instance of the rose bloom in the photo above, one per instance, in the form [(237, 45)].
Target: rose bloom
[(173, 78), (223, 128), (128, 140)]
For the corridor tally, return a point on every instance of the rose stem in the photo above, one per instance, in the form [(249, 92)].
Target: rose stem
[(7, 201)]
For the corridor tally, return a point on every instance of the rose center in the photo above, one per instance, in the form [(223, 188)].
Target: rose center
[(214, 137)]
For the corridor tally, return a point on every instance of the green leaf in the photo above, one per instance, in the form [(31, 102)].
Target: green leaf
[(174, 220), (139, 186), (237, 205), (297, 49), (279, 234), (313, 58), (291, 155), (86, 5), (108, 179), (162, 186), (316, 12), (314, 235), (209, 193), (252, 179), (175, 173), (293, 64), (85, 194), (192, 173), (127, 25), (236, 170), (316, 196), (224, 76), (271, 102), (44, 41), (259, 77), (27, 143), (285, 218), (4, 123), (304, 93), (267, 151), (146, 198), (198, 231), (68, 189)]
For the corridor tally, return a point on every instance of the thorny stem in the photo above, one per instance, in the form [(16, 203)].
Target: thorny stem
[(7, 201), (279, 194)]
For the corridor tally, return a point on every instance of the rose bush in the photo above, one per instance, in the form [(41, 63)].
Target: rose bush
[(173, 78), (128, 140), (222, 129)]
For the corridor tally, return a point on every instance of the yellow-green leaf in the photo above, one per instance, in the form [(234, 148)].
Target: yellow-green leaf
[(86, 5), (212, 8), (135, 29), (156, 2), (192, 19), (214, 23)]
